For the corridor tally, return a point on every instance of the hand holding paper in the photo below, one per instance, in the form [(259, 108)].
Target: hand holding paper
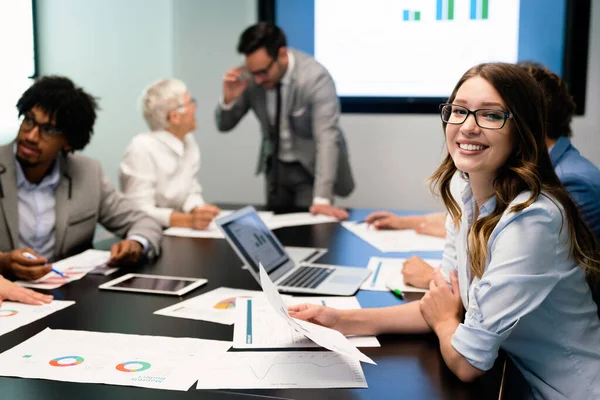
[(328, 338)]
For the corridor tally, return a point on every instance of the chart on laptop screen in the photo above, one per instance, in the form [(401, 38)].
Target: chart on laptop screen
[(257, 242)]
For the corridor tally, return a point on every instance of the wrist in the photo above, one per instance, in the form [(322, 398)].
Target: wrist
[(446, 328)]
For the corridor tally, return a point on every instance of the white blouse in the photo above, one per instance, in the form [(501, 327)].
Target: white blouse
[(159, 172)]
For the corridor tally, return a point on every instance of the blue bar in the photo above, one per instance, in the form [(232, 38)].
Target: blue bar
[(323, 302), (406, 17), (438, 12), (249, 322), (474, 9), (374, 281)]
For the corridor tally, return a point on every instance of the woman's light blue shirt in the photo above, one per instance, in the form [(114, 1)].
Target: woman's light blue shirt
[(532, 300)]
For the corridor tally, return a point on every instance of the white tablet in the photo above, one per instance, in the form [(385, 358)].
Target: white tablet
[(158, 284)]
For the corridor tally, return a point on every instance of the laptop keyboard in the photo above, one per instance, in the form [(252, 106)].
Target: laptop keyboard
[(307, 277)]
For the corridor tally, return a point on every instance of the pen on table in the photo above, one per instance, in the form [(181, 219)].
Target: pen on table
[(32, 257), (364, 221), (397, 292)]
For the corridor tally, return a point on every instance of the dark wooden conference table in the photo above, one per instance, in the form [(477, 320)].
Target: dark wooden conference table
[(408, 367)]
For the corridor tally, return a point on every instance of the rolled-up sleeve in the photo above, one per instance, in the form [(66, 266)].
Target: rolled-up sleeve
[(520, 275)]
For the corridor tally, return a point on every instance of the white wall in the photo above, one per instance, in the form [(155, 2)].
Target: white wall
[(113, 49), (205, 38)]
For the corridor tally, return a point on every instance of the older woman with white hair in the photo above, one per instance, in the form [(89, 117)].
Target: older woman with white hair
[(159, 168)]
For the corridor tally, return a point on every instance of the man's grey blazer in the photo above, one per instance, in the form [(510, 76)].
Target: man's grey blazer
[(84, 197), (313, 113)]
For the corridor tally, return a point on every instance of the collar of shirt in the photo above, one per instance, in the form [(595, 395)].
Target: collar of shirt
[(287, 77), (49, 181), (169, 140), (469, 201)]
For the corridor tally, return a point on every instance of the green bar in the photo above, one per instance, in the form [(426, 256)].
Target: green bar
[(417, 15), (450, 9), (484, 9)]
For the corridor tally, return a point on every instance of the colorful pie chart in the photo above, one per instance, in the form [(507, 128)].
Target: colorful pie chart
[(69, 361), (8, 313), (133, 366)]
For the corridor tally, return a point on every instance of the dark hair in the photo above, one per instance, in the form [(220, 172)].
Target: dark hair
[(559, 101), (72, 109), (263, 34), (528, 168)]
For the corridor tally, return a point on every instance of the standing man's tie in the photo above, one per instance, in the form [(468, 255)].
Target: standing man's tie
[(275, 140)]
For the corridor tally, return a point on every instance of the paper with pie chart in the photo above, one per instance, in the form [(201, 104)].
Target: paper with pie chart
[(215, 306), (74, 268), (16, 315), (111, 358), (278, 370)]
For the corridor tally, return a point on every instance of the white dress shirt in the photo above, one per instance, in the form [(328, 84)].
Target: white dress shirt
[(532, 300), (159, 172)]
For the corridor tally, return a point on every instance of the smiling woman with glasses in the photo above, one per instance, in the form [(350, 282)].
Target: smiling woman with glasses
[(517, 253)]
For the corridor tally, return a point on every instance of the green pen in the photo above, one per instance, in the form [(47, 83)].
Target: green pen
[(397, 292)]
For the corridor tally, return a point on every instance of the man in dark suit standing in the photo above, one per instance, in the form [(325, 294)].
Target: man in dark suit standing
[(303, 151)]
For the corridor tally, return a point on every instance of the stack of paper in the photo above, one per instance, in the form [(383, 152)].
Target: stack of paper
[(395, 241), (278, 370), (110, 358), (15, 315)]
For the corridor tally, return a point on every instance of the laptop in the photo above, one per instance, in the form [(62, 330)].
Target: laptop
[(254, 243)]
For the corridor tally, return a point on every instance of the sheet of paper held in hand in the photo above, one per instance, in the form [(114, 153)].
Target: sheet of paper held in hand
[(257, 325), (325, 337), (395, 241), (16, 315), (110, 358), (74, 268)]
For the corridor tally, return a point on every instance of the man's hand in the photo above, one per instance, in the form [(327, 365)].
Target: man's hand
[(203, 216), (326, 209), (14, 292), (234, 84), (24, 264), (417, 272), (126, 252)]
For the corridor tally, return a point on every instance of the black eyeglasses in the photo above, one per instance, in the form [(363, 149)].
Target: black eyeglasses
[(487, 118), (47, 131), (264, 71)]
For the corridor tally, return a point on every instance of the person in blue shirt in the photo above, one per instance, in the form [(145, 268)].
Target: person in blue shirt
[(579, 176), (517, 252)]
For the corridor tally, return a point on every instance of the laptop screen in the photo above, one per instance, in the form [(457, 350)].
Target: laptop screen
[(256, 242)]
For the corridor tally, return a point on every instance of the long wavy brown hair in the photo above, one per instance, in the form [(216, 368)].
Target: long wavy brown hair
[(528, 168)]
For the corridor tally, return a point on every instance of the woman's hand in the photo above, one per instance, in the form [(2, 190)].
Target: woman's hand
[(442, 304), (320, 315)]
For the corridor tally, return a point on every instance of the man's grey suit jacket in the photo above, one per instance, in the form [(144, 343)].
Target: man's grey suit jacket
[(313, 113), (84, 197)]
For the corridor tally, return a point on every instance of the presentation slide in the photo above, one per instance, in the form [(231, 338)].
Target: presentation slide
[(420, 48)]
